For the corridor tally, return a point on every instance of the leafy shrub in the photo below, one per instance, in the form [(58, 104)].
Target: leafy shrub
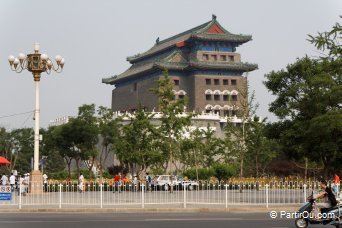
[(203, 173), (223, 171), (106, 175), (61, 175)]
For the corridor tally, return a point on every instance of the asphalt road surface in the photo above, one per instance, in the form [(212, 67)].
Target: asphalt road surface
[(142, 220)]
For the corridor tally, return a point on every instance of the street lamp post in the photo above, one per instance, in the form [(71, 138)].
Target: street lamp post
[(36, 63)]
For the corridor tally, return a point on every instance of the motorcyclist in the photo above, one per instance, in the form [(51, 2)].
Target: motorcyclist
[(327, 197)]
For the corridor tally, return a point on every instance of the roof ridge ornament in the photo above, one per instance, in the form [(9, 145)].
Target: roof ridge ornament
[(213, 16), (157, 40)]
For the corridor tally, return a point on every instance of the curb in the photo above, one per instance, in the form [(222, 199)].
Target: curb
[(149, 210)]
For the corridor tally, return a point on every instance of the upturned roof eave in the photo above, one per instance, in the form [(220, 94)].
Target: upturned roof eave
[(233, 67), (245, 67), (196, 33), (202, 37), (239, 39), (109, 81)]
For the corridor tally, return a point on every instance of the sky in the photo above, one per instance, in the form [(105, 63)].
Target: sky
[(95, 37)]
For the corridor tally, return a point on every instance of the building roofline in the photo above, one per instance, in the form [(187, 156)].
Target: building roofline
[(196, 33)]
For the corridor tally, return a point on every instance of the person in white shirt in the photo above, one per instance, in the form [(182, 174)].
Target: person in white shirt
[(27, 181), (135, 183), (4, 179), (81, 183), (45, 177), (12, 181), (22, 185)]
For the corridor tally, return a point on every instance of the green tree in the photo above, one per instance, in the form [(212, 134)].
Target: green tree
[(58, 141), (109, 132), (308, 103), (192, 151), (236, 134), (54, 162), (213, 149), (201, 149), (136, 145), (17, 146), (329, 41), (84, 133), (260, 148), (77, 139), (172, 122), (9, 148)]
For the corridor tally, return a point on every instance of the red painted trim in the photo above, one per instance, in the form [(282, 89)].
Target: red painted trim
[(180, 44), (215, 29)]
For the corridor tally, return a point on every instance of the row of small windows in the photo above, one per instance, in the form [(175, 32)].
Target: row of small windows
[(217, 81), (223, 112), (217, 97), (226, 110), (211, 48), (222, 58)]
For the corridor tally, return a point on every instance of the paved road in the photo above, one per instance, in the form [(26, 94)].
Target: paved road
[(142, 220)]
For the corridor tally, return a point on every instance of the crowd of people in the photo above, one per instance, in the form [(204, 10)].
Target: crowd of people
[(20, 182), (121, 180), (118, 180)]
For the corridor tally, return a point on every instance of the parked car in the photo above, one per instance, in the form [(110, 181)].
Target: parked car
[(164, 182), (188, 184)]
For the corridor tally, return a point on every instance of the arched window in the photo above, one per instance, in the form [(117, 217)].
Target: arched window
[(208, 92), (181, 92), (234, 92), (225, 92), (227, 107), (217, 92), (217, 109), (208, 107)]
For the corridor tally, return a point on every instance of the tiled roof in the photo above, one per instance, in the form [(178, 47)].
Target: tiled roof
[(167, 62), (133, 70), (172, 57), (200, 32), (223, 37), (170, 62), (234, 66)]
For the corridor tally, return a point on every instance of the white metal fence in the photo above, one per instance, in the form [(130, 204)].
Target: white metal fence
[(206, 194)]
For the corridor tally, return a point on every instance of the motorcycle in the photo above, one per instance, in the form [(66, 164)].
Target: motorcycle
[(328, 216)]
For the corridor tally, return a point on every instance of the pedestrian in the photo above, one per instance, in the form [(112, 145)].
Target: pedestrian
[(12, 182), (27, 181), (135, 183), (337, 185), (117, 179), (22, 185), (4, 179), (148, 181), (45, 178), (81, 183), (124, 180), (154, 183)]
